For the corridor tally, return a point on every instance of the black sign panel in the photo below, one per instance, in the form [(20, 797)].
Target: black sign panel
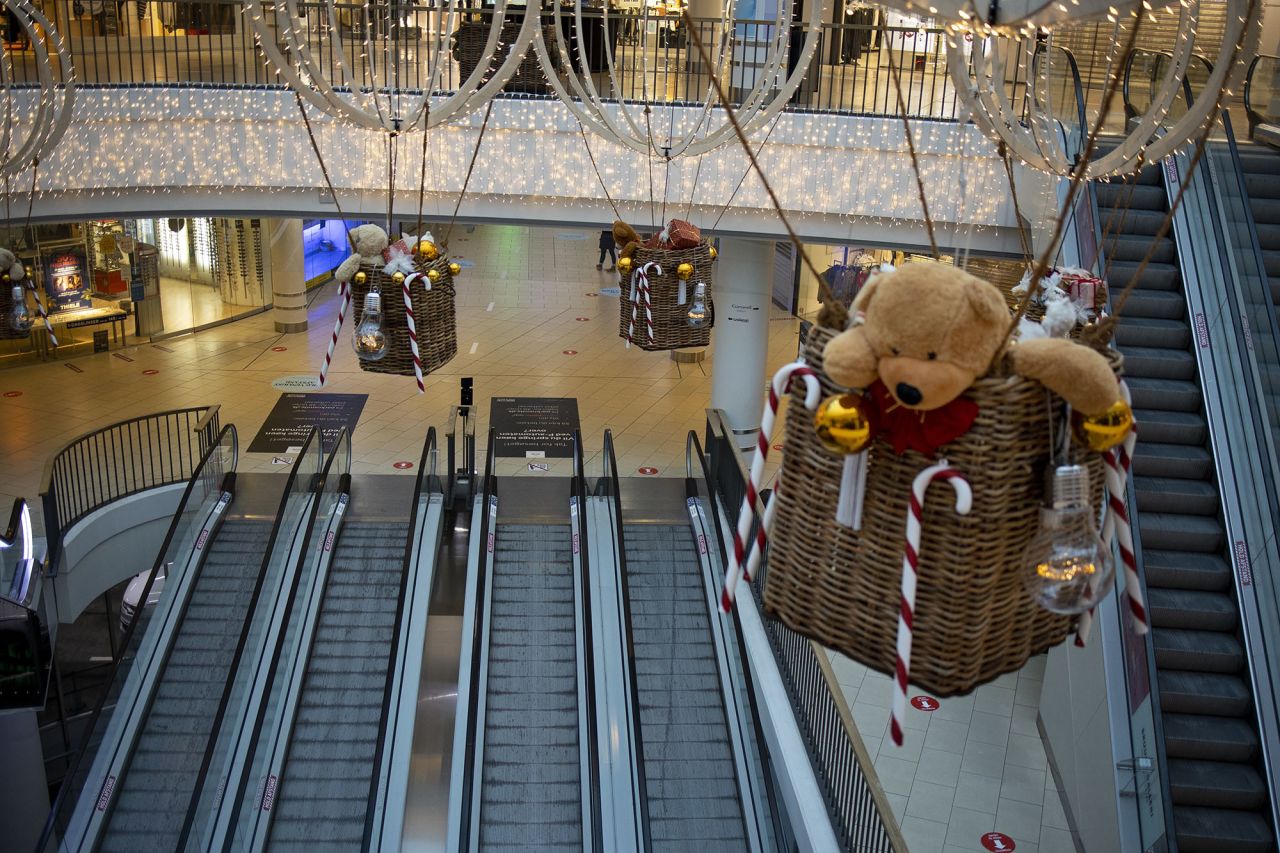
[(287, 426), (534, 427)]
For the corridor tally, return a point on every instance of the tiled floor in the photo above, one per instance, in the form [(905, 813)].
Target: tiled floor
[(974, 765)]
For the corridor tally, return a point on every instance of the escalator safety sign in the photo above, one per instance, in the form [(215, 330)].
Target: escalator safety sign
[(105, 797), (1242, 563), (490, 541), (204, 537), (269, 793), (328, 542), (702, 543), (575, 542), (1202, 330)]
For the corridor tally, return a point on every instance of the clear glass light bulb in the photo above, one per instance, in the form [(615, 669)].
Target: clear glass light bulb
[(370, 338), (19, 316), (698, 315), (1068, 569)]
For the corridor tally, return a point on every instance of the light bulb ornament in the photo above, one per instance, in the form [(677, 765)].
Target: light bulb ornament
[(19, 316), (370, 337), (698, 315), (910, 566), (740, 564), (1068, 567)]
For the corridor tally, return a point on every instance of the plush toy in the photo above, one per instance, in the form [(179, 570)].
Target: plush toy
[(626, 237), (927, 331), (368, 243), (9, 263)]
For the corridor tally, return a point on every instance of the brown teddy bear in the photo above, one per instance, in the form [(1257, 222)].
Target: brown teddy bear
[(930, 330), (626, 237)]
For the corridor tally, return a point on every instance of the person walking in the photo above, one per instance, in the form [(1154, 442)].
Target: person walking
[(607, 246)]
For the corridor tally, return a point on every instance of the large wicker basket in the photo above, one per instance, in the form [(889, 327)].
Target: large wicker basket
[(973, 618), (469, 42), (6, 306), (433, 315), (671, 329)]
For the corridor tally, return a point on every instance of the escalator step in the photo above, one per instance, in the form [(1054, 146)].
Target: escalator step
[(1173, 427), (1117, 195), (1217, 784), (1152, 332), (1170, 395), (1160, 363), (1209, 738), (1135, 247), (1131, 221), (1269, 234), (1167, 494), (1170, 532), (1207, 830), (1198, 650), (1193, 609), (1178, 461), (1165, 305), (1213, 694), (1163, 277)]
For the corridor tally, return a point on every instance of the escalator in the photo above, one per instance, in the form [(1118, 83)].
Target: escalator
[(1261, 167), (1219, 798)]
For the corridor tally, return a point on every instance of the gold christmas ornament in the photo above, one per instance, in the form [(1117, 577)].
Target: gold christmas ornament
[(684, 272), (454, 268), (397, 277), (360, 278), (434, 275), (713, 252), (624, 265), (841, 424), (4, 277), (1105, 431), (428, 250)]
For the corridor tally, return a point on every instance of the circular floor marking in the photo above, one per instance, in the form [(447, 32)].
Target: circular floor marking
[(569, 352), (402, 465), (150, 371), (647, 471), (925, 703), (13, 393), (279, 349)]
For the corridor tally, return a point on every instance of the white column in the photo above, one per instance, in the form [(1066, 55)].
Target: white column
[(744, 282), (24, 793), (288, 276)]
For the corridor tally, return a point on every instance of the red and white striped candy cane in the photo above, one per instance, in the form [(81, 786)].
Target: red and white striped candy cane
[(344, 294), (413, 336), (640, 291), (781, 382), (910, 565), (44, 315)]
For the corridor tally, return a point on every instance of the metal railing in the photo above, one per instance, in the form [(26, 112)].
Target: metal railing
[(1260, 91), (859, 809), (121, 460)]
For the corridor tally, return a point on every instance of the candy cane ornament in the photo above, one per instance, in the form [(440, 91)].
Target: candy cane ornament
[(640, 292), (910, 566), (44, 315), (413, 336), (781, 382), (344, 294)]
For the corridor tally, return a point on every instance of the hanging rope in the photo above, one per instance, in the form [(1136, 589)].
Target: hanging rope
[(911, 145), (324, 170), (484, 125), (616, 214), (1023, 237), (747, 171), (392, 149), (422, 172), (833, 315)]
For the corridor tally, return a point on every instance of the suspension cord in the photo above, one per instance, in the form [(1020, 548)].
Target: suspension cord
[(324, 170), (422, 173), (1023, 238), (595, 166), (911, 145), (725, 208), (484, 125)]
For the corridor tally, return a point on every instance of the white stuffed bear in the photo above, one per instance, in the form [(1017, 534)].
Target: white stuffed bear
[(9, 263), (367, 241)]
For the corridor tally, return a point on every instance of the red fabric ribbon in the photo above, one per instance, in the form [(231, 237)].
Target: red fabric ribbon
[(913, 429)]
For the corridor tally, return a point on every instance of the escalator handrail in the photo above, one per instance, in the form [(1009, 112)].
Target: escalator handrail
[(1082, 118), (19, 529), (488, 492), (228, 485), (633, 682), (426, 480), (317, 486), (577, 493), (693, 447), (1255, 118)]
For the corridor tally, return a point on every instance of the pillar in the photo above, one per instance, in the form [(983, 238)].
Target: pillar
[(288, 275), (744, 282), (24, 793)]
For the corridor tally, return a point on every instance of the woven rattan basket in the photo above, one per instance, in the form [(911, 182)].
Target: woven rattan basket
[(6, 306), (670, 327), (433, 315), (469, 42), (973, 618)]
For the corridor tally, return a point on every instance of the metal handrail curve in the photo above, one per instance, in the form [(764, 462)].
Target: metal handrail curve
[(1255, 118)]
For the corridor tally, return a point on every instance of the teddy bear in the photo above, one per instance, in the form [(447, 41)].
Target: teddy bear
[(927, 332), (626, 237), (368, 242), (10, 264)]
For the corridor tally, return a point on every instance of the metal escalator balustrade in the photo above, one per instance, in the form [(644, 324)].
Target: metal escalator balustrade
[(1211, 744), (90, 783)]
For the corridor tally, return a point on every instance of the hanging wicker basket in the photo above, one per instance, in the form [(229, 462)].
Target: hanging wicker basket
[(671, 329), (469, 42), (6, 306), (974, 619), (433, 314)]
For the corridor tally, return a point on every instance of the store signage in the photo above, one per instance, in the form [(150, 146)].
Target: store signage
[(65, 280), (534, 427), (296, 383), (293, 416)]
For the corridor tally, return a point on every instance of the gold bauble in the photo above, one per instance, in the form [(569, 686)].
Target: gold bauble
[(624, 265), (1104, 431), (397, 277), (428, 250), (434, 275), (454, 268), (841, 424), (684, 272), (360, 278), (4, 277), (713, 252)]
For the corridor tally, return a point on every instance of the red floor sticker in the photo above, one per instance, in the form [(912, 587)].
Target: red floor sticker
[(279, 349), (583, 319), (997, 842), (593, 294), (569, 352), (925, 703), (777, 447), (150, 371), (13, 393), (402, 465), (647, 470)]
